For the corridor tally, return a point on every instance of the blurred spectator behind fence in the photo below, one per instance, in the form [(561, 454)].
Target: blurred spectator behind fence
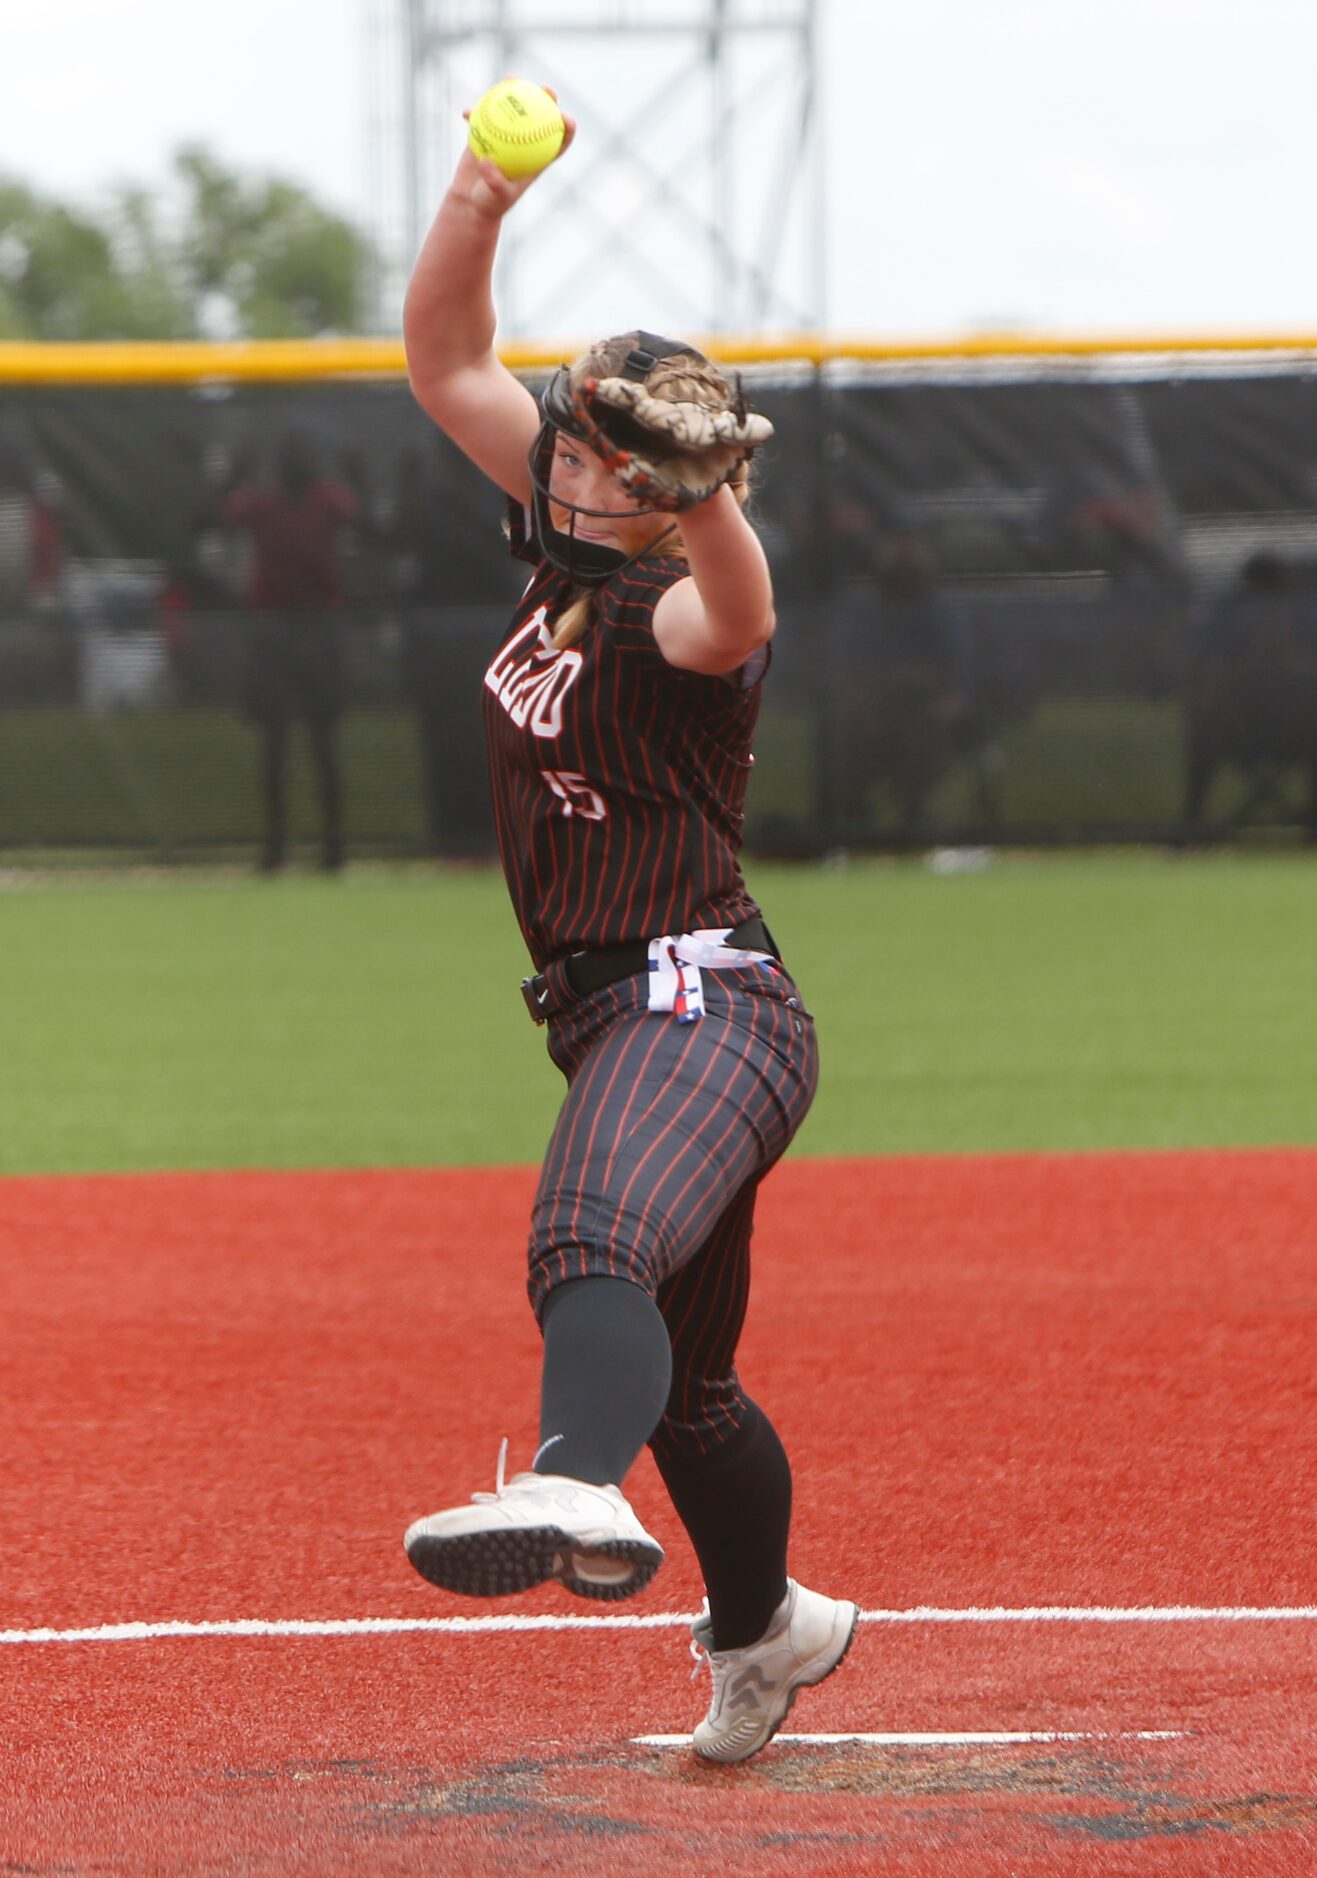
[(31, 533), (902, 687), (441, 579), (38, 649), (295, 525), (1252, 691)]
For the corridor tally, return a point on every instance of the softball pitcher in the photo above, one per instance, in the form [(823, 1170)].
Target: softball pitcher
[(619, 711)]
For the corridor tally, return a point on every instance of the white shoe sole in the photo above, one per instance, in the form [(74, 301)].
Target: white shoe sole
[(505, 1560)]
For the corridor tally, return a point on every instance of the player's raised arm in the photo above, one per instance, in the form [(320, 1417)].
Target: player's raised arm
[(719, 617), (677, 438), (448, 317)]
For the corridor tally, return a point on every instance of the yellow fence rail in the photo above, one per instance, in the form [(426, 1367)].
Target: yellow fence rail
[(285, 361)]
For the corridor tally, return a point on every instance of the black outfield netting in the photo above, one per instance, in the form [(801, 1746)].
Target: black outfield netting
[(1078, 606)]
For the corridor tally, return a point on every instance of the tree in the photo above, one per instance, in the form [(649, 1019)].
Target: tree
[(261, 255), (214, 254), (62, 277)]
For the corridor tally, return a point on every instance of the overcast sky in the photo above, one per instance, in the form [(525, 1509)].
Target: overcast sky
[(1070, 165)]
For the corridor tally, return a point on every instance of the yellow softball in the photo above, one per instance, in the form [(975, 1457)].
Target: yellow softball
[(519, 125)]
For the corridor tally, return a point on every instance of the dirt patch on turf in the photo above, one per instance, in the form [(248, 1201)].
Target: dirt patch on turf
[(854, 1795)]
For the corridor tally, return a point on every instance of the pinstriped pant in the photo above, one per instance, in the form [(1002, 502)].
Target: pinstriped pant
[(654, 1164)]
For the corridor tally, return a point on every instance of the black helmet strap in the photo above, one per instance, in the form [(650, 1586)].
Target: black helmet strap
[(646, 353)]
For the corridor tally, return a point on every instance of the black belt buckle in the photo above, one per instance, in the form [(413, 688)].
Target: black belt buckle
[(535, 991)]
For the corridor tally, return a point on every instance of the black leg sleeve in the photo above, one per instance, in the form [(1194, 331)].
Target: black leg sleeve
[(735, 1503), (607, 1373)]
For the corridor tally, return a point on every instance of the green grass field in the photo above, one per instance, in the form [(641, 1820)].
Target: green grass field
[(1091, 1001), (183, 782)]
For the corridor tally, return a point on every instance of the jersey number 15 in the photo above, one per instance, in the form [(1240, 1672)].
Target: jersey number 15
[(576, 795)]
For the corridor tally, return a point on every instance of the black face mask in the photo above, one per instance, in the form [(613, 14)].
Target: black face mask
[(587, 563)]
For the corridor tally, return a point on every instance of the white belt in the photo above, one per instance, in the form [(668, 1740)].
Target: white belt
[(675, 963)]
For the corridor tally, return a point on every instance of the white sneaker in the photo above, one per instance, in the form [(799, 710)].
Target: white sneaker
[(753, 1688), (533, 1528)]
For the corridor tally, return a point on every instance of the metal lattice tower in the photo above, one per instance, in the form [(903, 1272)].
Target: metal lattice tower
[(693, 200)]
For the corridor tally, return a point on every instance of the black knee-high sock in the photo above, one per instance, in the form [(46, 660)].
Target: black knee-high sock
[(607, 1372), (736, 1506)]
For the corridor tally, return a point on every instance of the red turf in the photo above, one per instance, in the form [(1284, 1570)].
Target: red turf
[(1016, 1381)]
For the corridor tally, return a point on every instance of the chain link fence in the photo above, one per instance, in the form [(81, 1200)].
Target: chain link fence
[(1020, 601)]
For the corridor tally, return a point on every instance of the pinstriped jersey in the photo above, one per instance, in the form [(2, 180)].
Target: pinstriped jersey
[(618, 780)]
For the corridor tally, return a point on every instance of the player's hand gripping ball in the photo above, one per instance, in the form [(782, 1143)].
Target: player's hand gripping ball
[(518, 125)]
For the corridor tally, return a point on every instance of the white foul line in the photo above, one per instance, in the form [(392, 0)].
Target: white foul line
[(1100, 1614), (666, 1620), (935, 1740)]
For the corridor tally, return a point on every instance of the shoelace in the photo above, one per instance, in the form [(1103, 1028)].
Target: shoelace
[(485, 1499), (705, 1659), (708, 1659)]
